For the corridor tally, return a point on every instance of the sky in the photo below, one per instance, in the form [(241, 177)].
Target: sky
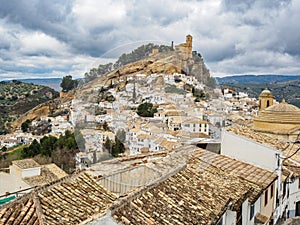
[(43, 38)]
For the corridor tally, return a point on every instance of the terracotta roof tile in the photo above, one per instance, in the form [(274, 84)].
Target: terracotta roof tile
[(198, 194), (22, 211), (26, 163), (69, 201), (241, 169), (49, 173)]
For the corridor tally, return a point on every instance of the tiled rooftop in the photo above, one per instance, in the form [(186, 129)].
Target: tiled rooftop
[(241, 169), (198, 194), (26, 163), (195, 187), (195, 121), (49, 173), (69, 201), (292, 167), (22, 211)]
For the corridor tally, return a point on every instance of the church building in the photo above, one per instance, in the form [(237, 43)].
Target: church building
[(280, 120)]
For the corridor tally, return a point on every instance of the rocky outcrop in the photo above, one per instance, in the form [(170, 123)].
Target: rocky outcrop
[(42, 110), (165, 63)]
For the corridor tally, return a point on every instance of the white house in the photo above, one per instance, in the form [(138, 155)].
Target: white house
[(258, 149), (25, 168), (195, 125)]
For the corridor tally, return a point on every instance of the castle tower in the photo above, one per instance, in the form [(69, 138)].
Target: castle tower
[(266, 99), (189, 43)]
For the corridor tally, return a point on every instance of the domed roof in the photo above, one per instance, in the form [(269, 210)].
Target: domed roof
[(266, 93), (283, 107)]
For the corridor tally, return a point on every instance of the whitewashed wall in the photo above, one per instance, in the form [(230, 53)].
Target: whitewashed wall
[(249, 151)]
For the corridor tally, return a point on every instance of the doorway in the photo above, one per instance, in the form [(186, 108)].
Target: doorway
[(297, 208)]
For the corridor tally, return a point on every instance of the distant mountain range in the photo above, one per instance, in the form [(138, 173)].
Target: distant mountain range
[(287, 87), (50, 82), (256, 79)]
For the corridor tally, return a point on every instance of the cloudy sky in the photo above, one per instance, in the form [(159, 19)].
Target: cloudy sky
[(43, 38)]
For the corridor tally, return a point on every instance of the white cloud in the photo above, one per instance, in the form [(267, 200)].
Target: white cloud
[(37, 43), (233, 36), (90, 14)]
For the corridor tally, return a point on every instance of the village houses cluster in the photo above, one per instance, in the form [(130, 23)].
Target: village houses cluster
[(178, 118), (217, 157)]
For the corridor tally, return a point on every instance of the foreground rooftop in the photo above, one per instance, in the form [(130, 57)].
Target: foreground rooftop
[(186, 186)]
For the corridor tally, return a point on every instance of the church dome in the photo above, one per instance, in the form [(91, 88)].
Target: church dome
[(283, 107), (278, 117), (281, 120), (266, 93)]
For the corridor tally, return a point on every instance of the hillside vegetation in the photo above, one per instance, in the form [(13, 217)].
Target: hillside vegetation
[(17, 97), (49, 149), (139, 53), (256, 79)]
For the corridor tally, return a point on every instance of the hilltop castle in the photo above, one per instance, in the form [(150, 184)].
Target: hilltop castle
[(185, 49)]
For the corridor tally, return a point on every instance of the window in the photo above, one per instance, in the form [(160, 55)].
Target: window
[(266, 197), (272, 191), (277, 198), (252, 211)]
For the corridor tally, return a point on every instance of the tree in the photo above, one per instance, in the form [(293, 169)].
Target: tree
[(91, 75), (105, 126), (33, 150), (117, 148), (3, 149), (146, 109), (108, 145), (68, 83), (110, 98), (47, 145), (25, 126), (103, 69), (199, 94)]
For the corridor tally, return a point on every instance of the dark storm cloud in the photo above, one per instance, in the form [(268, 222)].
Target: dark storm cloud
[(239, 6), (162, 13), (232, 35), (49, 16)]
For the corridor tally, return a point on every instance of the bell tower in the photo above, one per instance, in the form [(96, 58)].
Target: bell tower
[(266, 99)]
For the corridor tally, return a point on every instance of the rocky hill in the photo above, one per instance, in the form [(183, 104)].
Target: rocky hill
[(162, 62), (152, 58), (16, 98)]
